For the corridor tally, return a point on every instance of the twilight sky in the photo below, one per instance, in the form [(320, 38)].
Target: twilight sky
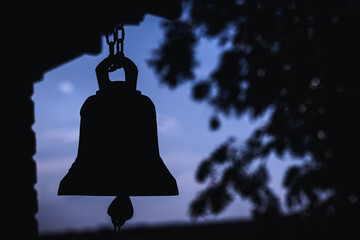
[(184, 137)]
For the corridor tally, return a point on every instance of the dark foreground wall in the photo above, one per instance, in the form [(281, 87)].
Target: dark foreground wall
[(36, 38)]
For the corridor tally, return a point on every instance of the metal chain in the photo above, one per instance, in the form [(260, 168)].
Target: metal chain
[(119, 41)]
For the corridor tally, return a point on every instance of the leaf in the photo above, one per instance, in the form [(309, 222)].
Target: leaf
[(203, 171)]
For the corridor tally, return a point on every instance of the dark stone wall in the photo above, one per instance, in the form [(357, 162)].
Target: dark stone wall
[(19, 167), (35, 39)]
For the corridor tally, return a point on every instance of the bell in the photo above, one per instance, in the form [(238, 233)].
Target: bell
[(118, 153)]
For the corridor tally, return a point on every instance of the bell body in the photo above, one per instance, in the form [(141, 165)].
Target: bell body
[(118, 150)]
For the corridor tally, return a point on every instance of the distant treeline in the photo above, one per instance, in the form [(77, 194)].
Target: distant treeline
[(281, 228)]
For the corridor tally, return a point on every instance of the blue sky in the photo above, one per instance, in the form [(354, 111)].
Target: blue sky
[(184, 137)]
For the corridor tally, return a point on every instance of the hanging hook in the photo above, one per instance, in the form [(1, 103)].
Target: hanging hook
[(111, 43)]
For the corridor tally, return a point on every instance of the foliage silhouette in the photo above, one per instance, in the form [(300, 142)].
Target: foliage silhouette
[(297, 60)]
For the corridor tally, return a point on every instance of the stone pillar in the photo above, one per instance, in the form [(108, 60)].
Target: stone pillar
[(19, 167)]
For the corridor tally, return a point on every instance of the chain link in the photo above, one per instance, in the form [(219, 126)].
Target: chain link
[(120, 41)]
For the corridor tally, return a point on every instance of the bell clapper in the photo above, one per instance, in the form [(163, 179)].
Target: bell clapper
[(120, 210)]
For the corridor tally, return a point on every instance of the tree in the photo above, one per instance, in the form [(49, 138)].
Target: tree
[(297, 59)]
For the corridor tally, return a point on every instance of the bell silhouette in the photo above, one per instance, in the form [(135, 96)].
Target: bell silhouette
[(118, 153)]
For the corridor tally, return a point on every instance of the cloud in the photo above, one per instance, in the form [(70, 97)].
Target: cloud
[(57, 165), (66, 87), (166, 123), (66, 135)]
